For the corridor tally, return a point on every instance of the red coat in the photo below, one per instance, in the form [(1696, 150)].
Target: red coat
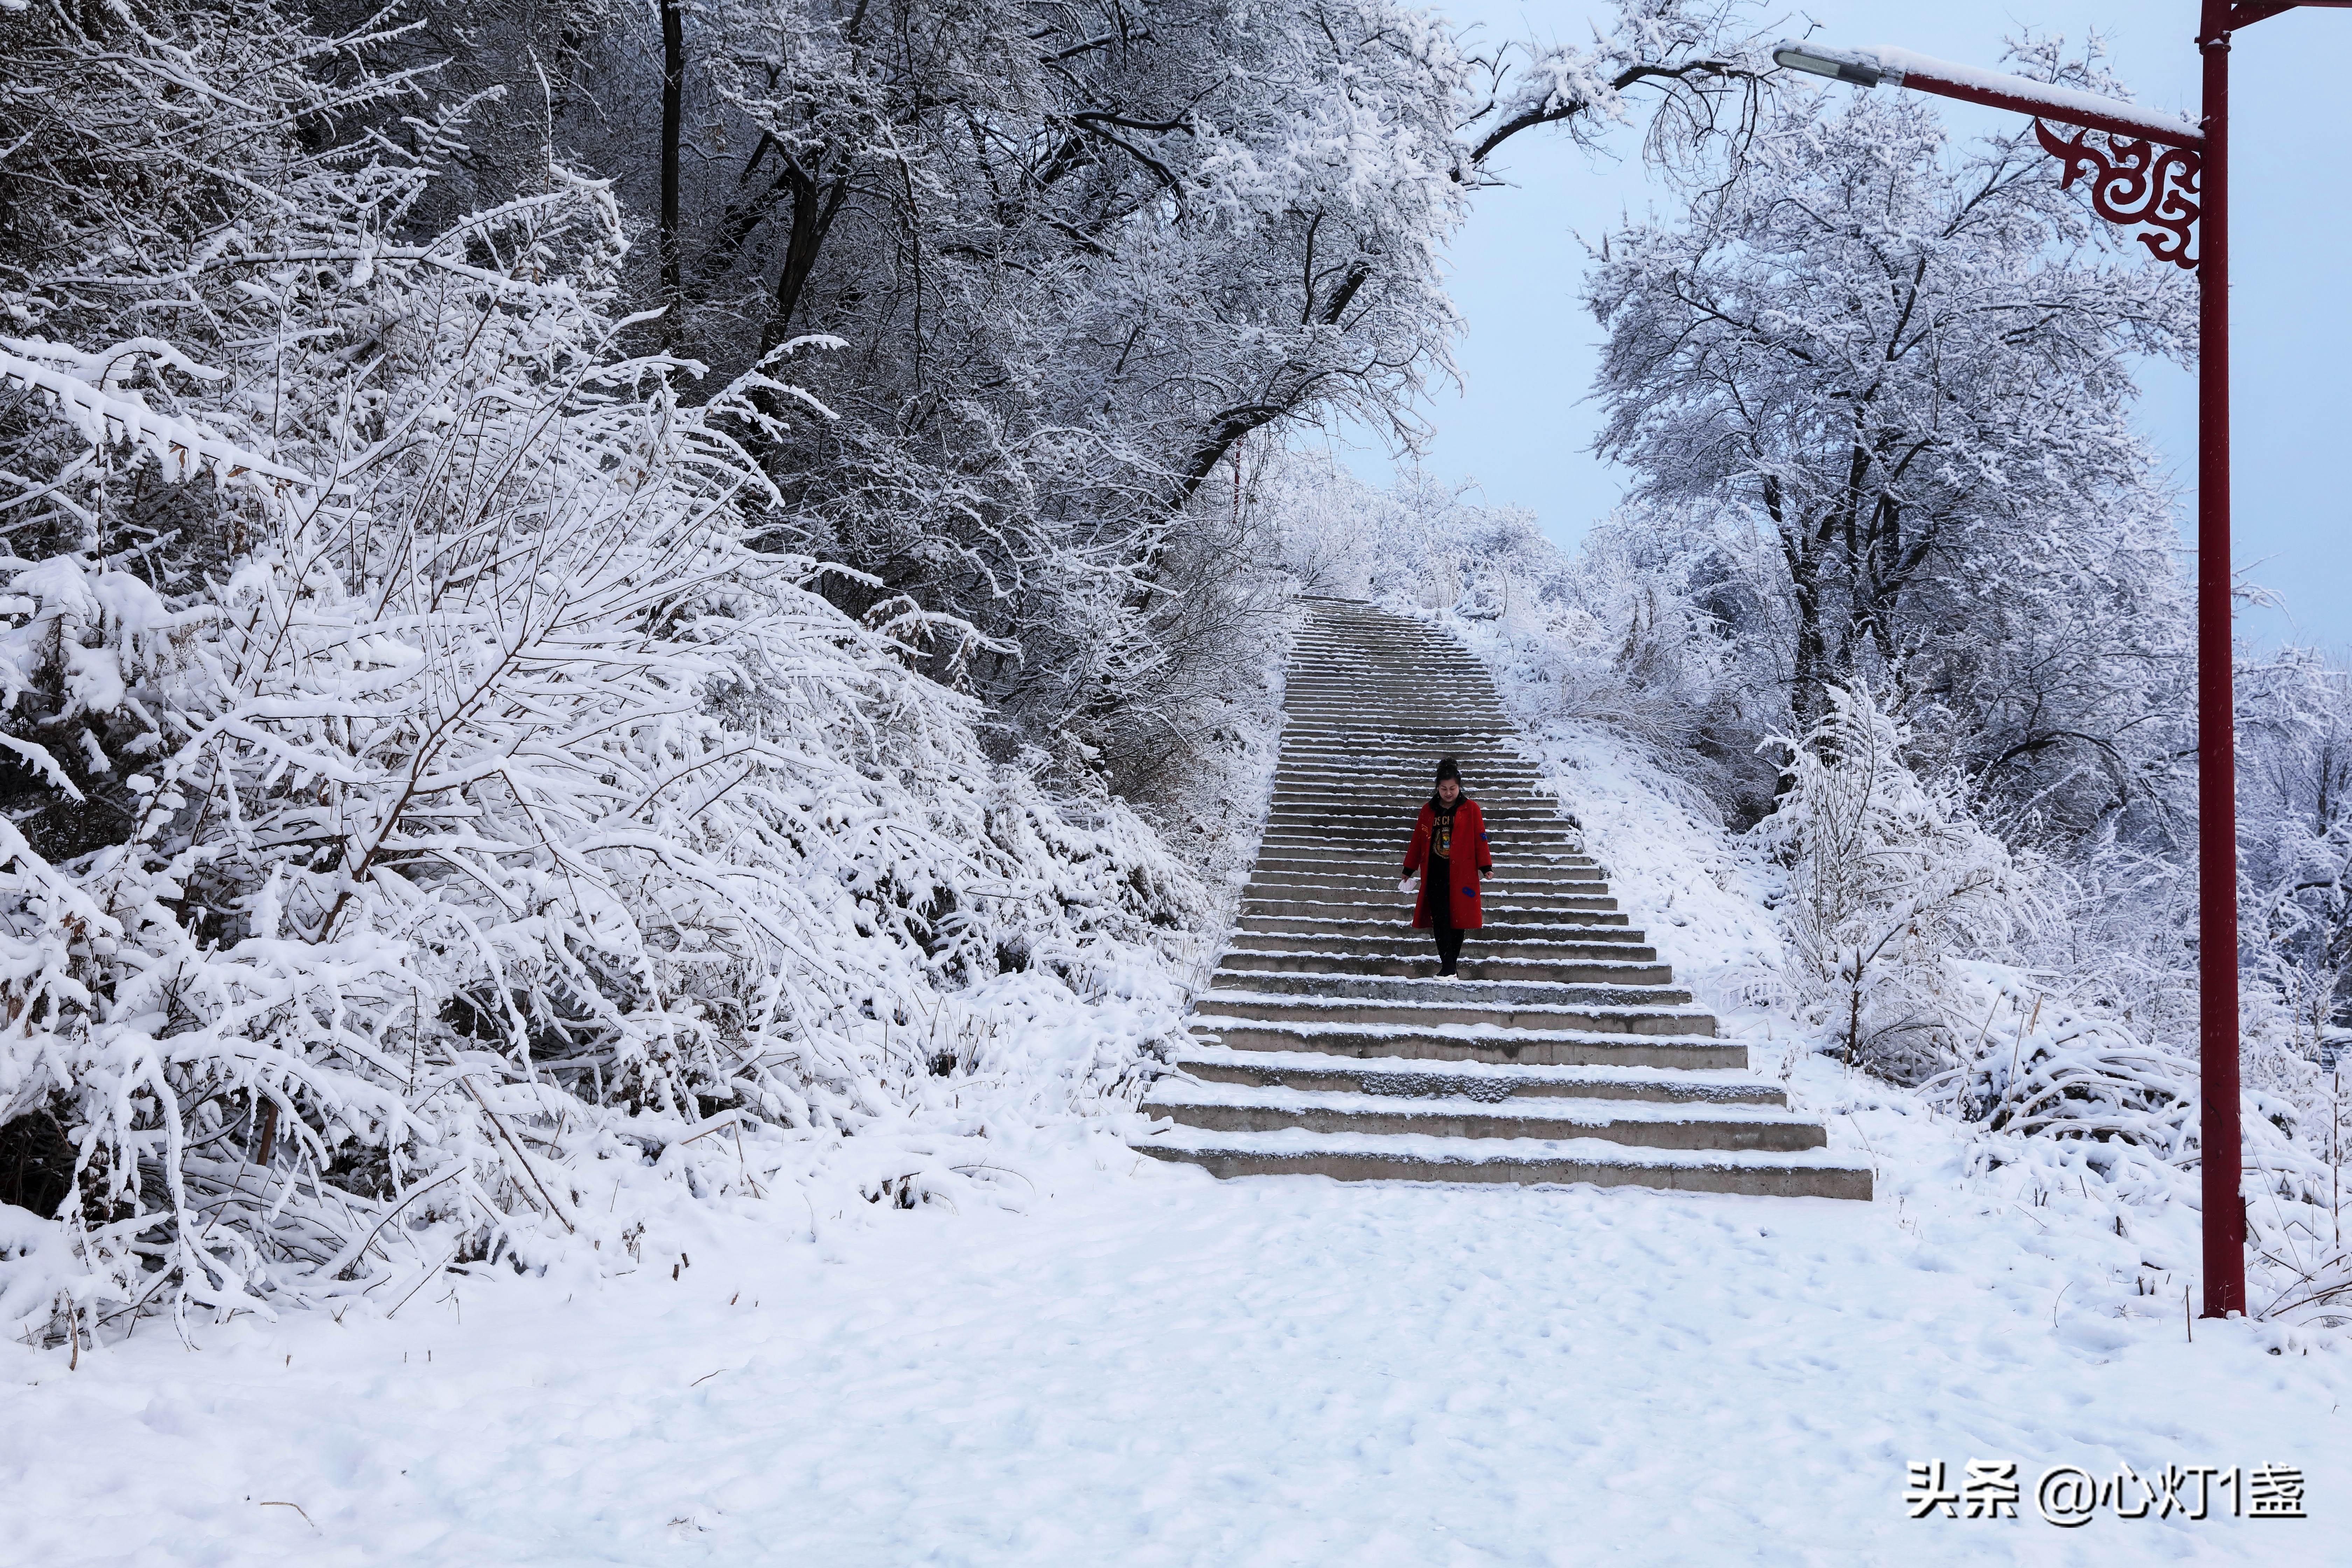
[(1470, 858)]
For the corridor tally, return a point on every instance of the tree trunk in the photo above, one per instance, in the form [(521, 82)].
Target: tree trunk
[(1804, 562), (673, 110), (815, 207)]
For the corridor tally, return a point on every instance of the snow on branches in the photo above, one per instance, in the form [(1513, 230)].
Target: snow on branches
[(1889, 882), (1906, 370), (467, 800)]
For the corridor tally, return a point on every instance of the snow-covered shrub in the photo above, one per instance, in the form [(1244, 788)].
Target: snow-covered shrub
[(2037, 1065), (1889, 883), (426, 790)]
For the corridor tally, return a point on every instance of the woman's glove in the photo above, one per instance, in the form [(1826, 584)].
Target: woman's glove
[(1406, 885)]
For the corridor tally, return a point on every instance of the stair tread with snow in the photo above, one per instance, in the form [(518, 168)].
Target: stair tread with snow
[(1326, 1042), (1214, 1063), (1237, 1108), (1366, 1156)]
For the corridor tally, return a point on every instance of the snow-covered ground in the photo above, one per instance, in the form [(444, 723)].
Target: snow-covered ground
[(1092, 1357), (1148, 1367)]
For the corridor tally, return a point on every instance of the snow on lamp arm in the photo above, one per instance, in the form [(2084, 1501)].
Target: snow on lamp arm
[(2145, 176)]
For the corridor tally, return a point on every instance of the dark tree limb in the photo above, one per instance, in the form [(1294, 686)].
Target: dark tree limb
[(1633, 76)]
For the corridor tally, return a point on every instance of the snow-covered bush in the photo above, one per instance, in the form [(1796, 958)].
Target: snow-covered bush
[(426, 789), (2037, 1064), (1889, 884)]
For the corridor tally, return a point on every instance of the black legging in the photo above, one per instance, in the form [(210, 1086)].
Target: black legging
[(1438, 878)]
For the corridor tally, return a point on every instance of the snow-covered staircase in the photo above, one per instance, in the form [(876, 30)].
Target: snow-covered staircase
[(1325, 1043)]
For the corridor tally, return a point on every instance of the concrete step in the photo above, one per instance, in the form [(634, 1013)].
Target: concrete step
[(1499, 760), (1377, 870), (1439, 693), (1397, 748), (1473, 965), (1486, 1081), (1300, 858), (1384, 796), (1345, 830), (1408, 802), (1461, 719), (1386, 660), (1547, 840), (1368, 833), (1564, 1053), (1410, 797), (1331, 747), (1403, 671), (1414, 784), (1396, 700), (1404, 807), (1336, 936), (1506, 881), (1349, 760), (1271, 934), (1402, 910), (1482, 1042), (1388, 850), (1256, 914), (1230, 1108), (1349, 647), (1376, 852), (1400, 695), (1366, 1157), (1292, 830), (1398, 810), (1412, 793), (1383, 864), (1405, 674), (1265, 1002), (1400, 740), (1494, 888), (1342, 990), (1255, 896), (1389, 846)]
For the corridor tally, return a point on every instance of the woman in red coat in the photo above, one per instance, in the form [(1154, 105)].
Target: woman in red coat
[(1449, 848)]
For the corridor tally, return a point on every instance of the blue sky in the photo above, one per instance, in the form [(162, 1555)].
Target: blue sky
[(1521, 429)]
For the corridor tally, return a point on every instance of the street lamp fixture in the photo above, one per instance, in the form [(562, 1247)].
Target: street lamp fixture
[(2160, 172), (1860, 67)]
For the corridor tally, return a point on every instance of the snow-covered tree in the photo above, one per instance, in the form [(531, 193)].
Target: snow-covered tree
[(1908, 370), (1080, 255)]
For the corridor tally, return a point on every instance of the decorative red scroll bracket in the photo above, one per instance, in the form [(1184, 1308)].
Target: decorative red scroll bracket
[(2137, 185)]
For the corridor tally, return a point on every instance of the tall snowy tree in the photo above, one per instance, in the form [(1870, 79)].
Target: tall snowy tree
[(1910, 368)]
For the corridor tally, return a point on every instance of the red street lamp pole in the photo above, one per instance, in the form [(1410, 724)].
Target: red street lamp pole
[(2218, 1046), (2168, 178)]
